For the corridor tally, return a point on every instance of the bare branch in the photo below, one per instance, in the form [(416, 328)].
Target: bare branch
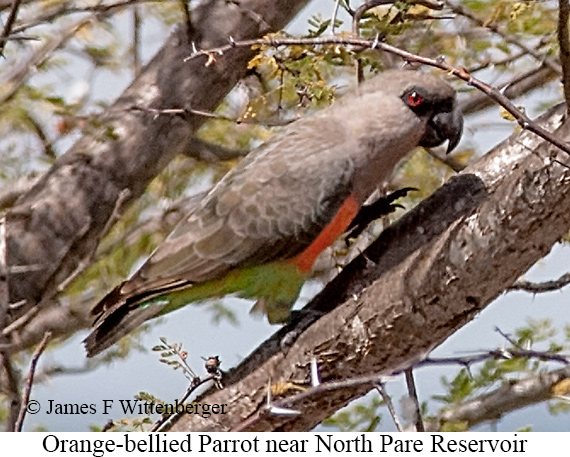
[(29, 381), (136, 41), (496, 95), (380, 387), (9, 24), (19, 75), (499, 354), (61, 321), (333, 17), (507, 398), (187, 17), (540, 287), (412, 392), (11, 388), (517, 86), (186, 112), (542, 58), (564, 43), (194, 384), (65, 9)]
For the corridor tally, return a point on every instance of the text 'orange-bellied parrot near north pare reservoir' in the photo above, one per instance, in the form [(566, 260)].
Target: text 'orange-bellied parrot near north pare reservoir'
[(257, 233)]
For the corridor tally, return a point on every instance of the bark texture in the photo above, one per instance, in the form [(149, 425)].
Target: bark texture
[(424, 278)]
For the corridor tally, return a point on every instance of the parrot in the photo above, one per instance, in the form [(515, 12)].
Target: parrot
[(257, 233)]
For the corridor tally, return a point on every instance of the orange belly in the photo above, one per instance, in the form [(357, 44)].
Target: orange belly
[(344, 216)]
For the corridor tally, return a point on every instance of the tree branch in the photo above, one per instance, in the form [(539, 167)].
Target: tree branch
[(424, 277), (564, 43), (507, 398), (542, 58), (516, 87), (539, 287), (55, 234), (491, 92), (9, 24), (29, 382)]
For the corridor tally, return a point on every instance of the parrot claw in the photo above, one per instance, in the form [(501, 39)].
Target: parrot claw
[(369, 213)]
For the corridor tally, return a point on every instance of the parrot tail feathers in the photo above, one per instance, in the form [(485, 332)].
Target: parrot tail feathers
[(119, 313), (115, 325)]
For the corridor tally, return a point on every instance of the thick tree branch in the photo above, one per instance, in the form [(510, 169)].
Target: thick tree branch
[(425, 277), (53, 228)]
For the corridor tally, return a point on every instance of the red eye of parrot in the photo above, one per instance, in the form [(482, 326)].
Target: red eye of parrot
[(415, 99)]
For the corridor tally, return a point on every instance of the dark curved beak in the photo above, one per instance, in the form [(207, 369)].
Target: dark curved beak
[(444, 126)]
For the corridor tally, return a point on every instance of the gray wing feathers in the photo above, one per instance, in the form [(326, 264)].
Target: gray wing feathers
[(271, 206)]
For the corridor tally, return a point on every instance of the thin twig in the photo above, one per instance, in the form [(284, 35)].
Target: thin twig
[(208, 114), (564, 43), (11, 390), (333, 18), (65, 10), (20, 322), (542, 58), (368, 5), (360, 11), (513, 88), (496, 95), (20, 74), (388, 401), (508, 338), (29, 381), (11, 385), (539, 287), (9, 24), (491, 405), (414, 396), (190, 32), (136, 41), (497, 354), (194, 384), (490, 63)]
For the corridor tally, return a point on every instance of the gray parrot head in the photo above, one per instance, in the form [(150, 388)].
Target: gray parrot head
[(429, 98), (434, 100)]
